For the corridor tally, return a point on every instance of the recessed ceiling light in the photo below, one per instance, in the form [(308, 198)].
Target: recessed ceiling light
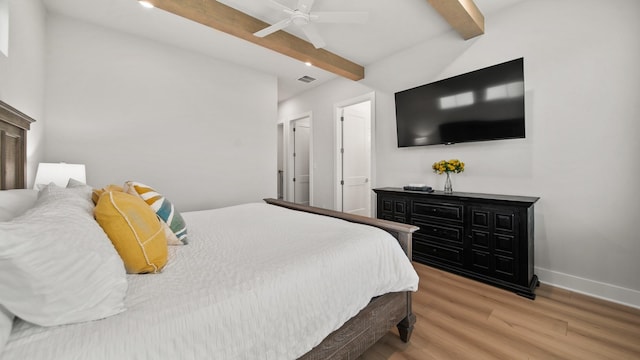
[(308, 63), (146, 4)]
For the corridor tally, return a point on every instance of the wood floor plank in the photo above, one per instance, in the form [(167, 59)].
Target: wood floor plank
[(595, 307), (616, 329), (458, 318)]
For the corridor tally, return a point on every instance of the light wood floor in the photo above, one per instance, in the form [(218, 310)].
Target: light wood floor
[(458, 318)]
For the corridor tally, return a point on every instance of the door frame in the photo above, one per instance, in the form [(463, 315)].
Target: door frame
[(288, 166), (338, 108)]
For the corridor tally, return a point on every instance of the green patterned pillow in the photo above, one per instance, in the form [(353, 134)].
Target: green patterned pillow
[(175, 227)]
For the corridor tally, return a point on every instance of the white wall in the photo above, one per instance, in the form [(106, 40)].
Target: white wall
[(581, 153), (199, 130), (22, 72)]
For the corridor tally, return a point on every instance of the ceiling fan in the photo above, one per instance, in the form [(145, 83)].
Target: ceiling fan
[(304, 18)]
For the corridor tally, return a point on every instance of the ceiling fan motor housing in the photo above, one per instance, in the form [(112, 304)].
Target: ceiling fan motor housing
[(299, 18)]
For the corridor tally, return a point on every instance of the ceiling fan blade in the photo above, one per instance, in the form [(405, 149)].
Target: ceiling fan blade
[(311, 32), (354, 17), (277, 5), (305, 5), (273, 28)]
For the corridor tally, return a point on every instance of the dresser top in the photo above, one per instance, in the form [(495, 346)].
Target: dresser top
[(440, 195)]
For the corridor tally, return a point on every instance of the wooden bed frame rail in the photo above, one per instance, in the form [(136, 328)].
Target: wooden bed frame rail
[(382, 313)]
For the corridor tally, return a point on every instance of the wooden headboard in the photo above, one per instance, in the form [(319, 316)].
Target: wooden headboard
[(13, 147)]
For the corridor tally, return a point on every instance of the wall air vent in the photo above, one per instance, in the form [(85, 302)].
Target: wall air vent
[(307, 79)]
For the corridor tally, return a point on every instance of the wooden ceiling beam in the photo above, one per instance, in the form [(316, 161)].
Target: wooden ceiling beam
[(231, 21), (463, 15)]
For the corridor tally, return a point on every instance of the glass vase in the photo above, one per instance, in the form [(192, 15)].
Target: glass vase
[(448, 188)]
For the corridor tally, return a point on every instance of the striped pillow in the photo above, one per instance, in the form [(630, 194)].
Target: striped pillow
[(176, 228)]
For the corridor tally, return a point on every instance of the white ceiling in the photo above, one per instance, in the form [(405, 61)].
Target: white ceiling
[(392, 27)]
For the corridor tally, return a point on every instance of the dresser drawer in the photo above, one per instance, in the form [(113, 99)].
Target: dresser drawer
[(441, 211), (438, 233), (429, 251)]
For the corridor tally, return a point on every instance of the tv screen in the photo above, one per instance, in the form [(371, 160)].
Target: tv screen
[(486, 104)]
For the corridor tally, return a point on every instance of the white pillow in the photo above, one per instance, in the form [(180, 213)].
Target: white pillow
[(6, 323), (57, 266), (16, 202)]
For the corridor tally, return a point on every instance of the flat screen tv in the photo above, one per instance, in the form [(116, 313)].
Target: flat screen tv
[(486, 104)]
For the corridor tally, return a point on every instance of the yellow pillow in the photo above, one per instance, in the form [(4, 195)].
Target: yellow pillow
[(95, 195), (134, 230)]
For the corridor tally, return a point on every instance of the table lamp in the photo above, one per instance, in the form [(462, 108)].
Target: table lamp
[(59, 174)]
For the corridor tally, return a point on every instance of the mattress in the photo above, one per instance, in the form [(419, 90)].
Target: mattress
[(256, 281)]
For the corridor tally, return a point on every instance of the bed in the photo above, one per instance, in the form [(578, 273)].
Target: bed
[(269, 280)]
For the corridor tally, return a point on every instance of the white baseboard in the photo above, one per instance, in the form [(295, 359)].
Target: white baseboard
[(593, 288)]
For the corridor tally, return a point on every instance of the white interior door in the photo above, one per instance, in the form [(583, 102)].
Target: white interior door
[(280, 165), (355, 159), (301, 135)]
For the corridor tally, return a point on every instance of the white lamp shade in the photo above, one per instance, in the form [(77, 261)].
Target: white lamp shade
[(59, 174)]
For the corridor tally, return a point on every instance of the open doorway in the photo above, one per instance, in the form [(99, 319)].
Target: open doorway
[(299, 156), (354, 122)]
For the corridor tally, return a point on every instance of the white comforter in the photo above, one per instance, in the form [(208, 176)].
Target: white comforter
[(255, 282)]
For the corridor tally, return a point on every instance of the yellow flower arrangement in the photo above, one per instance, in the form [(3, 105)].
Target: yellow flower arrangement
[(444, 166)]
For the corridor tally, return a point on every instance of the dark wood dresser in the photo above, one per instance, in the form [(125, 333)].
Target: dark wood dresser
[(481, 236)]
